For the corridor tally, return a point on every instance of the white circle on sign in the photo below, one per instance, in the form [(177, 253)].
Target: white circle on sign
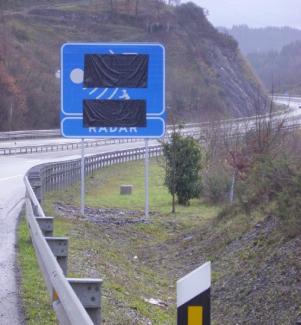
[(77, 76)]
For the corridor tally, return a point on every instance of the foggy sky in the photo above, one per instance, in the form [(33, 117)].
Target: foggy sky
[(255, 13)]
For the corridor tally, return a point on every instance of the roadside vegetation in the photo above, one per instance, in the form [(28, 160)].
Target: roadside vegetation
[(253, 242), (183, 157), (131, 258), (245, 219)]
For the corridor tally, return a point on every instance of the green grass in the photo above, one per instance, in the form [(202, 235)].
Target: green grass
[(35, 297), (108, 251), (34, 294), (102, 189)]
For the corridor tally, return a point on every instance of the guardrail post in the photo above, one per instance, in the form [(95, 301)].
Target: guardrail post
[(88, 292), (59, 248), (35, 181), (46, 225)]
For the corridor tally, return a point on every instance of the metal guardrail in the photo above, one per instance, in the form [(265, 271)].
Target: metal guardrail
[(65, 302), (190, 129), (29, 134), (57, 176), (60, 146), (40, 134), (193, 129), (70, 297)]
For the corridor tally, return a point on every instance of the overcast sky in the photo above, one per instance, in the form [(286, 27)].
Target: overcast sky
[(255, 13)]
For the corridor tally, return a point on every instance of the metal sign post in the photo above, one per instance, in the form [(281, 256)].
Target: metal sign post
[(193, 297), (82, 183), (146, 179)]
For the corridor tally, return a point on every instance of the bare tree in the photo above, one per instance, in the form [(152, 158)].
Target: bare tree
[(137, 7)]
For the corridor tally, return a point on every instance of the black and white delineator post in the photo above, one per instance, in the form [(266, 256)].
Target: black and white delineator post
[(193, 297)]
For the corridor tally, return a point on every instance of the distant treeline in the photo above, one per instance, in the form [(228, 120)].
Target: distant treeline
[(262, 40), (280, 71), (274, 53)]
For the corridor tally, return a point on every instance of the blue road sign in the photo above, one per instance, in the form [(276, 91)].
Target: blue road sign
[(102, 83)]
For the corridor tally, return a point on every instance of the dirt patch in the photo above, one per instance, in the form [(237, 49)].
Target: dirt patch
[(102, 215)]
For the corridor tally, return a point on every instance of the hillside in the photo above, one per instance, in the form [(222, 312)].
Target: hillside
[(262, 40), (206, 75), (279, 70)]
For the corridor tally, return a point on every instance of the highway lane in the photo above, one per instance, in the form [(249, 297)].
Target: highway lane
[(12, 191), (36, 142), (293, 104)]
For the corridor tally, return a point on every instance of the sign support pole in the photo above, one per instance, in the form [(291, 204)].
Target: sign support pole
[(82, 184), (146, 180)]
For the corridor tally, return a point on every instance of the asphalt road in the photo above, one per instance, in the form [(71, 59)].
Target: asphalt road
[(12, 191)]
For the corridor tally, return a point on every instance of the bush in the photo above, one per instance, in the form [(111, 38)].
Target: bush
[(216, 184), (274, 183), (183, 165)]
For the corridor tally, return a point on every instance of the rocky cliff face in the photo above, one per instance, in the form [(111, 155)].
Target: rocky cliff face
[(206, 77)]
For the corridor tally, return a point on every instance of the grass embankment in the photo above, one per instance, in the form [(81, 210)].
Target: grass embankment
[(141, 260), (124, 256)]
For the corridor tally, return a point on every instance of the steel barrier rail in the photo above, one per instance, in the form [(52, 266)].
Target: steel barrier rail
[(29, 134), (60, 175), (196, 132), (60, 147), (36, 134), (68, 308), (193, 129)]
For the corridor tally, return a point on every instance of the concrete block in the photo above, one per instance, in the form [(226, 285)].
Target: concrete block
[(126, 189)]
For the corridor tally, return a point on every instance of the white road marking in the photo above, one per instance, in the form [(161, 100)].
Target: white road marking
[(11, 177)]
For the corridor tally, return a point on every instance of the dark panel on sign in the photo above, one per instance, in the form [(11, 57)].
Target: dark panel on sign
[(114, 113), (116, 70), (203, 299)]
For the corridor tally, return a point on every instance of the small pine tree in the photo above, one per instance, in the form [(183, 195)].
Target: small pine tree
[(183, 166)]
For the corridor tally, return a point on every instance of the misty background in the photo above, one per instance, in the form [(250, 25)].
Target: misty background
[(254, 13)]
